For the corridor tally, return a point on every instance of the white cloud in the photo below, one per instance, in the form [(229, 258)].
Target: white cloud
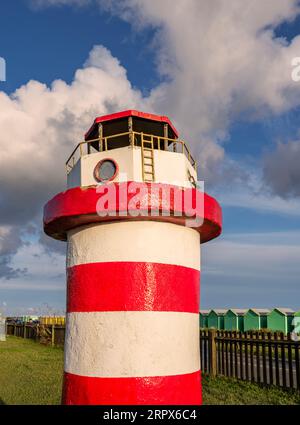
[(259, 256), (242, 197), (10, 242), (222, 60), (40, 125), (219, 60), (246, 188), (282, 170), (251, 270), (44, 272)]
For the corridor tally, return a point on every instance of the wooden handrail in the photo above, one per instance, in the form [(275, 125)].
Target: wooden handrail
[(104, 143)]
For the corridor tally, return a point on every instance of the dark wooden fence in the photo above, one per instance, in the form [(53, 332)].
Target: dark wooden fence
[(46, 334), (268, 358)]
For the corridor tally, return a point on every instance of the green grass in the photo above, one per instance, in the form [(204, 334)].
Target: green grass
[(233, 391), (31, 373)]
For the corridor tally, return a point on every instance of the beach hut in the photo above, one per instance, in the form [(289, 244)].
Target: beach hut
[(280, 319), (234, 319), (296, 322), (215, 318), (256, 319), (203, 318)]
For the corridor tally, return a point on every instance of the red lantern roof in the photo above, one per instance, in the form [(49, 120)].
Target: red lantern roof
[(131, 113)]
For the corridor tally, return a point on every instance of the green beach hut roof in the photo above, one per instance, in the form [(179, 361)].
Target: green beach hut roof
[(285, 311), (260, 311), (220, 311), (238, 311)]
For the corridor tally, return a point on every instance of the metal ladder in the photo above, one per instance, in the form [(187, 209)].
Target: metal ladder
[(147, 151)]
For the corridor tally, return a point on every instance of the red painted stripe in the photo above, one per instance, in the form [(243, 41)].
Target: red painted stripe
[(77, 206), (178, 389), (132, 286)]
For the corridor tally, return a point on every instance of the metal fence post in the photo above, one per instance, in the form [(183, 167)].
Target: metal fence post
[(212, 349)]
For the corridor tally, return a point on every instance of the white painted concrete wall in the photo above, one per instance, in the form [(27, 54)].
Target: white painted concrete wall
[(170, 167), (132, 343), (110, 242)]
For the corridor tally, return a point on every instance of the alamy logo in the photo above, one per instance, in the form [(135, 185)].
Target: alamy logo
[(296, 69), (2, 69), (140, 199)]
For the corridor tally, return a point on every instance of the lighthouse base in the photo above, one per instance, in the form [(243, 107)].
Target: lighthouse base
[(168, 390), (132, 330)]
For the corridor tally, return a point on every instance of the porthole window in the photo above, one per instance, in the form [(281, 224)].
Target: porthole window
[(106, 170)]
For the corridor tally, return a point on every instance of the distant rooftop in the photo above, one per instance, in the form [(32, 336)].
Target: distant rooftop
[(260, 310), (286, 311), (239, 311), (220, 310)]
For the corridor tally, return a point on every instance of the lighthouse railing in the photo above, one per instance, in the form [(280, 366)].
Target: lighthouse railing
[(87, 147)]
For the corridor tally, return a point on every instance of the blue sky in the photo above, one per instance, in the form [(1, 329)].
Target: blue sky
[(52, 43), (245, 115)]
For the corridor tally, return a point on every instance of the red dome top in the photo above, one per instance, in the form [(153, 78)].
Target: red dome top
[(131, 113)]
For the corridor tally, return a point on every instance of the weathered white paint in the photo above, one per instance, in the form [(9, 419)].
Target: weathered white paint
[(132, 344), (170, 167), (145, 241)]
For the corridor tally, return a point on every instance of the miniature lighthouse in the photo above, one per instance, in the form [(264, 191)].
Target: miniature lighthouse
[(133, 263)]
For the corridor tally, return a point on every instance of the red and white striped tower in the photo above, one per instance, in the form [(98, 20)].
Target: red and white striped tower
[(132, 333)]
